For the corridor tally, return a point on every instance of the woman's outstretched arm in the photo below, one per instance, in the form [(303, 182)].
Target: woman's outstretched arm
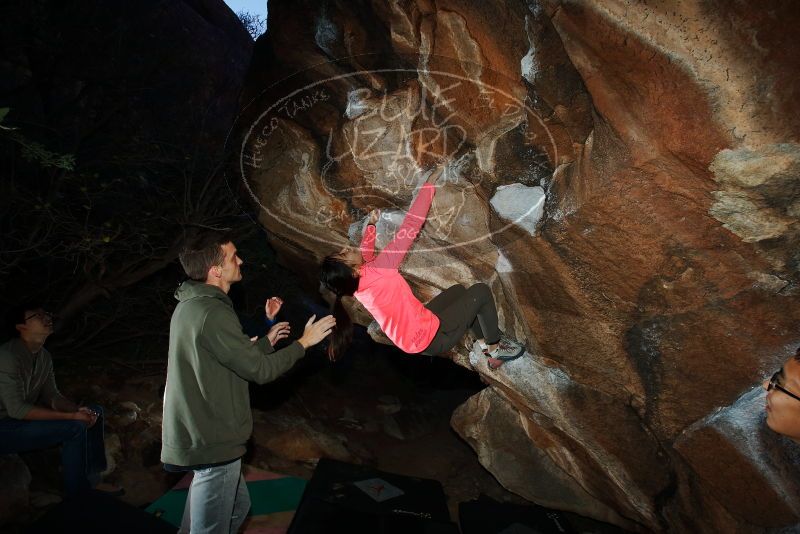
[(368, 239), (392, 255), (368, 243)]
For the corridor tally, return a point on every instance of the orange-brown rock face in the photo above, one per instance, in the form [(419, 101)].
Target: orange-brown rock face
[(625, 176)]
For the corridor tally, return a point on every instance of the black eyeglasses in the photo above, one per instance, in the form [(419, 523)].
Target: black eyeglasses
[(44, 315), (773, 383)]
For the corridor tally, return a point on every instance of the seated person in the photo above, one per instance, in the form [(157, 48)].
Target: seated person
[(35, 415), (783, 399)]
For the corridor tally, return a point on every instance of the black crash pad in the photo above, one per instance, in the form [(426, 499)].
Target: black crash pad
[(487, 516), (343, 497)]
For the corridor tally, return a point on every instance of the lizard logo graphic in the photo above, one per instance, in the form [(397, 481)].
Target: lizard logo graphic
[(379, 145)]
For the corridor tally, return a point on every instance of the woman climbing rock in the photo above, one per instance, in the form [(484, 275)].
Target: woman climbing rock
[(376, 282)]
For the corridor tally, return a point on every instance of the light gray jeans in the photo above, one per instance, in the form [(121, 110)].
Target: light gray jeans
[(217, 502)]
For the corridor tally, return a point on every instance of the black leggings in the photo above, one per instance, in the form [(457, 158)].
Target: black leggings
[(460, 309)]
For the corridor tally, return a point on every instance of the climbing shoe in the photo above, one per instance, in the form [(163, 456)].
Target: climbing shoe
[(507, 350)]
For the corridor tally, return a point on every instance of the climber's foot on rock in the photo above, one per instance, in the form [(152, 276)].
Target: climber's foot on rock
[(505, 351)]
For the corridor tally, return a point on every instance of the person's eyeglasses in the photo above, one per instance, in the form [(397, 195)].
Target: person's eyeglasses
[(43, 315), (773, 384)]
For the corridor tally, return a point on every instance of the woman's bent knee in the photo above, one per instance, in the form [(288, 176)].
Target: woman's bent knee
[(480, 289)]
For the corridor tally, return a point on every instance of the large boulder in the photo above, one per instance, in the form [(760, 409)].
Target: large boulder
[(293, 438), (625, 178)]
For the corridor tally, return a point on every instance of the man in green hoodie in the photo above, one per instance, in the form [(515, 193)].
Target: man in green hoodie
[(207, 418)]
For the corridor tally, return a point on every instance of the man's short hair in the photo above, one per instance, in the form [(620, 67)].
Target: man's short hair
[(202, 252), (16, 315)]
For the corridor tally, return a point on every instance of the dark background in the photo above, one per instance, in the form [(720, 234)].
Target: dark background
[(114, 121)]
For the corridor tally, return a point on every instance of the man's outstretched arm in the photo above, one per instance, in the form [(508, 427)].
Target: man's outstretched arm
[(222, 336)]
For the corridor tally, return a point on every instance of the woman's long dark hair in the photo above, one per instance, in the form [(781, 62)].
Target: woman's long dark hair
[(338, 277)]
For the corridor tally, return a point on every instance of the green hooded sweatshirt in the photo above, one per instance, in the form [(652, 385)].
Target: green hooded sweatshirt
[(207, 415)]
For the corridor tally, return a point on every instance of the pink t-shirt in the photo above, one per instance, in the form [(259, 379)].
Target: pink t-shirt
[(385, 293)]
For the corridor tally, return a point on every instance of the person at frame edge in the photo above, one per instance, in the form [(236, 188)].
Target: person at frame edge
[(35, 415), (783, 399), (375, 281), (207, 418)]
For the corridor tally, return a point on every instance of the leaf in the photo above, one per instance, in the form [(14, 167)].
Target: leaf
[(3, 113)]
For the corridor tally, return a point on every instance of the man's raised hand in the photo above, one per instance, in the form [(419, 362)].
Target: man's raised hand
[(316, 331), (272, 307), (278, 331)]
